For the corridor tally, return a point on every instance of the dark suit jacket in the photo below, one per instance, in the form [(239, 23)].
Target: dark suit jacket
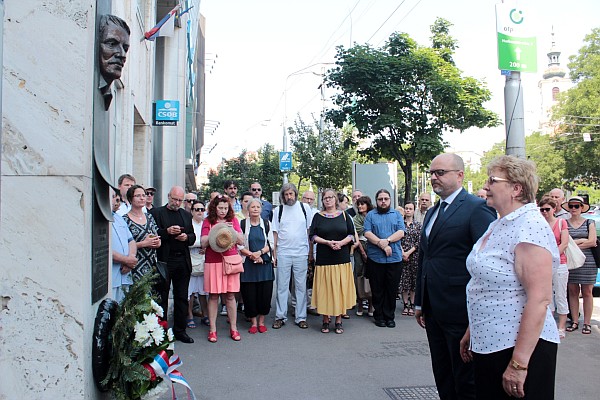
[(160, 216), (442, 275)]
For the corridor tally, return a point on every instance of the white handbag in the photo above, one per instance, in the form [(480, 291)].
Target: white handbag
[(575, 257)]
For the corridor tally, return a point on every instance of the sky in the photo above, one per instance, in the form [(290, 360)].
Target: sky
[(266, 58)]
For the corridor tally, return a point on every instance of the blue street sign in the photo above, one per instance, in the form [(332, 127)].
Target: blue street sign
[(285, 160)]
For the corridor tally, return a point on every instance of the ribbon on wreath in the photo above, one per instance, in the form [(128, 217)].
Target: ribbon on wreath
[(166, 368)]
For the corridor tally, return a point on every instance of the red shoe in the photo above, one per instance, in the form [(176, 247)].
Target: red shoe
[(235, 335), (212, 337), (253, 330), (262, 328)]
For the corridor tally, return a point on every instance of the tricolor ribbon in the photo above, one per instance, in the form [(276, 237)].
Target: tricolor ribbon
[(166, 368)]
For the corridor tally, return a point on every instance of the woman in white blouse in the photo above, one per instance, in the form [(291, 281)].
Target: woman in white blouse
[(512, 338)]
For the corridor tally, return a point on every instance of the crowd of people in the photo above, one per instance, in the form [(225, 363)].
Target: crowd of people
[(482, 274)]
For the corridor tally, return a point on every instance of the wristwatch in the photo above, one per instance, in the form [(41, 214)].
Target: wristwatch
[(515, 364)]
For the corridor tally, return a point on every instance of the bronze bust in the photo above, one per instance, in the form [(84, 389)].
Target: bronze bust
[(113, 46)]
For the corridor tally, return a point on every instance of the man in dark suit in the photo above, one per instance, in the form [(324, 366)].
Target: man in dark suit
[(450, 230), (176, 233)]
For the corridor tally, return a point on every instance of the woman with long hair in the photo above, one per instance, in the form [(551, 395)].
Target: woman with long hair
[(215, 281), (410, 255), (363, 205)]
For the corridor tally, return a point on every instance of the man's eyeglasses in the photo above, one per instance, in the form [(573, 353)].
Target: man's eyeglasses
[(575, 206), (545, 209), (189, 200), (441, 172), (492, 179), (175, 199), (198, 209), (150, 193), (256, 189)]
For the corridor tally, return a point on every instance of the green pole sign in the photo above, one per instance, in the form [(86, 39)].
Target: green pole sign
[(517, 46)]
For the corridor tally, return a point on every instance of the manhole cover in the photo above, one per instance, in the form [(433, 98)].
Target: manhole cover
[(413, 393)]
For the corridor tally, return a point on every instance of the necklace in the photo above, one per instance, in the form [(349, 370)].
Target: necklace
[(140, 217)]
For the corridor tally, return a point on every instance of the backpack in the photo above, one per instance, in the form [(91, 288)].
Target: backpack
[(281, 212)]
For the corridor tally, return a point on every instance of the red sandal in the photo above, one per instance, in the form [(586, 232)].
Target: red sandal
[(212, 337), (235, 335)]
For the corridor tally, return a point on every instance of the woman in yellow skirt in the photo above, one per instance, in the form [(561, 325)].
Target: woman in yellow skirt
[(333, 288)]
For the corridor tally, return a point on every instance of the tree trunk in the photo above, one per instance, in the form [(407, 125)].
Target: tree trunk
[(407, 180)]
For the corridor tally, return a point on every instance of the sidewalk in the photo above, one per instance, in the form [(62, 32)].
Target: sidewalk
[(365, 362)]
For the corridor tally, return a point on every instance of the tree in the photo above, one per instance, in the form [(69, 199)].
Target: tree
[(402, 97), (322, 158), (578, 112), (269, 175)]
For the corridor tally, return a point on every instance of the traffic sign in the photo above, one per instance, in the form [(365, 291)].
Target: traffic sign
[(285, 160), (517, 45)]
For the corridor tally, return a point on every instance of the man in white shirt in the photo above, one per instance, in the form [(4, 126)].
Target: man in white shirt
[(424, 205), (291, 221)]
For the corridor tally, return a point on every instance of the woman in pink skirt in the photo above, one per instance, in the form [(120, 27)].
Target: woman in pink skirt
[(215, 281)]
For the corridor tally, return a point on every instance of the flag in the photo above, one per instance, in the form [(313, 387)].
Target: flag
[(164, 27)]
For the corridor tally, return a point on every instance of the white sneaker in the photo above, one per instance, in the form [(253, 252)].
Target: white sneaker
[(223, 310)]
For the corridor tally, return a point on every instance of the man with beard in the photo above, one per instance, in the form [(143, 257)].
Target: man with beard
[(384, 228), (176, 233), (291, 223), (450, 230)]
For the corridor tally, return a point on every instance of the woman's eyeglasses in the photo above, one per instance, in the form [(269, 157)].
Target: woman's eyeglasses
[(198, 209), (575, 206), (328, 198), (545, 209)]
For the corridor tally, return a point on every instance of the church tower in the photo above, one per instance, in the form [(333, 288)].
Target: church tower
[(555, 80)]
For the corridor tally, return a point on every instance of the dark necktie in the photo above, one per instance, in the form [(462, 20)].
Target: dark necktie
[(441, 211)]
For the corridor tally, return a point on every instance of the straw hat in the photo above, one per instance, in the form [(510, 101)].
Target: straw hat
[(222, 237), (576, 199)]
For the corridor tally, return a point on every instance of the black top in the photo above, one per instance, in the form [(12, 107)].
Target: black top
[(165, 218), (336, 228)]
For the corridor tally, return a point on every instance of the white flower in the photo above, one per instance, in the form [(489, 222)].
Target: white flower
[(158, 309), (141, 332), (170, 335), (151, 321), (158, 335)]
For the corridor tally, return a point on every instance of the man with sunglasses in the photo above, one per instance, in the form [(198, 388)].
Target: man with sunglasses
[(189, 200), (450, 230), (150, 192), (267, 208)]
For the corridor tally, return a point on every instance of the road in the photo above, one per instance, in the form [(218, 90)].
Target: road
[(365, 362)]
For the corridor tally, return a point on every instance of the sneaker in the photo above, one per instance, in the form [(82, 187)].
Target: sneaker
[(223, 310)]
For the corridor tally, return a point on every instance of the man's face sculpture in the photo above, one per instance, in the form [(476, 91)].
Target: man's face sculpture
[(114, 43)]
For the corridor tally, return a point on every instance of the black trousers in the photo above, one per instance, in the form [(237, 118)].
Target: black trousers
[(257, 298), (541, 373), (384, 280), (454, 378), (179, 276)]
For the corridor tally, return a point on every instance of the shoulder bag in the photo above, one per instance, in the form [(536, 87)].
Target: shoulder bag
[(575, 257), (232, 264), (596, 249)]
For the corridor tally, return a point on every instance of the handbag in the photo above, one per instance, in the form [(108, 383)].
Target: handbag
[(232, 264), (197, 261), (575, 257), (198, 269), (596, 249), (363, 287)]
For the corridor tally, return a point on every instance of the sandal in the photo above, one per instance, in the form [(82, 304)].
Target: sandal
[(212, 337), (325, 327), (278, 323), (235, 335), (191, 323), (587, 329), (345, 316), (338, 328), (205, 321), (411, 310), (572, 327), (405, 311)]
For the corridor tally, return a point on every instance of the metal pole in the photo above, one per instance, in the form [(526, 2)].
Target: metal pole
[(514, 115), (285, 175)]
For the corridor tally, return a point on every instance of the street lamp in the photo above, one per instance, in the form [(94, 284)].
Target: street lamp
[(284, 123)]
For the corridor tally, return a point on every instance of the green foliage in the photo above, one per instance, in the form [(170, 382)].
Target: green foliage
[(578, 112), (246, 169), (322, 158), (402, 98), (127, 378)]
